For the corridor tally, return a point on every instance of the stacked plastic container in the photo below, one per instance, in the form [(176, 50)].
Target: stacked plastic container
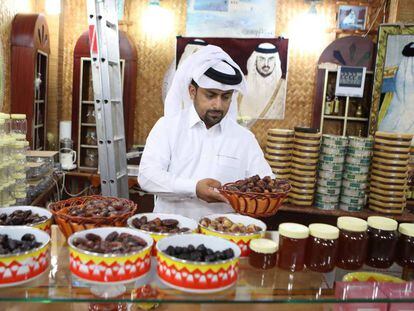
[(7, 142), (279, 151), (18, 132), (304, 164), (356, 173), (389, 173), (330, 170)]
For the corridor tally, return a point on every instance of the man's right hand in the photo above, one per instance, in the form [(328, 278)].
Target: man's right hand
[(206, 190)]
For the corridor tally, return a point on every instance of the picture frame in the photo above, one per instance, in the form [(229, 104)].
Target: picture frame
[(352, 17), (350, 81), (392, 39)]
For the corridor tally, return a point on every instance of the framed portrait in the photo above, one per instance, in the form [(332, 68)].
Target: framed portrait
[(392, 108), (352, 17)]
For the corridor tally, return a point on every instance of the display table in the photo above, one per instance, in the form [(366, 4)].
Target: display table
[(253, 286)]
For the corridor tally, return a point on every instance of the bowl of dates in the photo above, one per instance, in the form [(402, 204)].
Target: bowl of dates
[(31, 216), (197, 263), (160, 225), (236, 228), (24, 254), (77, 214), (110, 255), (255, 196)]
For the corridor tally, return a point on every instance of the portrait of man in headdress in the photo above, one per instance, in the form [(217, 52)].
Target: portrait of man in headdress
[(397, 98), (266, 89), (192, 47)]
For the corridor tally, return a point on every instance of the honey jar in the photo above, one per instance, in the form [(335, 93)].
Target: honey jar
[(292, 246), (382, 241), (405, 246), (353, 242), (263, 253), (322, 247)]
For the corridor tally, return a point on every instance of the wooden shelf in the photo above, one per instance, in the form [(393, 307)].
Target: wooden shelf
[(329, 117), (357, 119), (88, 102), (365, 213), (89, 146), (88, 124)]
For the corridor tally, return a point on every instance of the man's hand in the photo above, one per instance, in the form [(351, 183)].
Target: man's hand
[(206, 191)]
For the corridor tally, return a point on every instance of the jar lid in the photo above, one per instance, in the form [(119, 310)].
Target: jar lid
[(18, 116), (407, 229), (323, 231), (352, 224), (264, 246), (382, 223), (293, 230)]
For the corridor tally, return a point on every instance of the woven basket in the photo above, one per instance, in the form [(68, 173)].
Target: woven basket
[(69, 224), (256, 204)]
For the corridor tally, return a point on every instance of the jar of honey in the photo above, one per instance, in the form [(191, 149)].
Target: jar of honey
[(322, 247), (292, 246), (405, 246), (353, 242), (263, 253), (382, 241)]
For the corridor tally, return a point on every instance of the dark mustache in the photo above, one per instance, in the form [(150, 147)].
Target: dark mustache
[(215, 111)]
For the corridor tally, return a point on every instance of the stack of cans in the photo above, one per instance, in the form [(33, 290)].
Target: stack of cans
[(330, 170), (389, 172), (356, 173), (279, 151), (304, 165)]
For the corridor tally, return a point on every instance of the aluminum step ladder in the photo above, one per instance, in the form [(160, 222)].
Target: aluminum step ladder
[(107, 89)]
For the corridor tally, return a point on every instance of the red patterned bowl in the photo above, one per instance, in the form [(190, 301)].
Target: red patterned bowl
[(109, 268), (44, 225), (197, 277), (241, 239), (23, 267), (183, 222)]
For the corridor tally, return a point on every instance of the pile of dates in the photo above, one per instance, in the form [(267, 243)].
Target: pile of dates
[(224, 224), (12, 246), (258, 185), (20, 218), (158, 225), (99, 208), (199, 253), (114, 243)]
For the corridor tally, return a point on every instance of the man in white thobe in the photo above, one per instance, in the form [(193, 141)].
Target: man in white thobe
[(190, 152)]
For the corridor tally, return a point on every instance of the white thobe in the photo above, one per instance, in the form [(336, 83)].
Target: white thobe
[(180, 151)]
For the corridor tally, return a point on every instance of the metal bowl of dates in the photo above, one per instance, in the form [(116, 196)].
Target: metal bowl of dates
[(197, 263), (24, 254), (160, 225), (31, 216), (110, 255), (236, 228)]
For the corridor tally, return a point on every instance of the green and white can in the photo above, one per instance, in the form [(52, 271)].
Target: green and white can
[(330, 174), (326, 198), (334, 140), (356, 176), (358, 160), (349, 192), (358, 142), (350, 207), (334, 167), (360, 169), (324, 182), (355, 185), (328, 190), (332, 158), (352, 200), (326, 206)]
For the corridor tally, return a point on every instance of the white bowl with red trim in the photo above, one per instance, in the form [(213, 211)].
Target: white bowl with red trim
[(197, 277), (241, 239), (98, 268), (19, 268)]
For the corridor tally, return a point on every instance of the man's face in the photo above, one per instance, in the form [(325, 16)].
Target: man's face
[(211, 104), (265, 64)]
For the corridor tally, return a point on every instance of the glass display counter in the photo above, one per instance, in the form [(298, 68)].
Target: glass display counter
[(254, 286)]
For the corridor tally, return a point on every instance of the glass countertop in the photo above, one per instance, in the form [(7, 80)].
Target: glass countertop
[(253, 286)]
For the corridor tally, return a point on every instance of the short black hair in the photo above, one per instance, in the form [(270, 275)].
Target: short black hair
[(193, 83)]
